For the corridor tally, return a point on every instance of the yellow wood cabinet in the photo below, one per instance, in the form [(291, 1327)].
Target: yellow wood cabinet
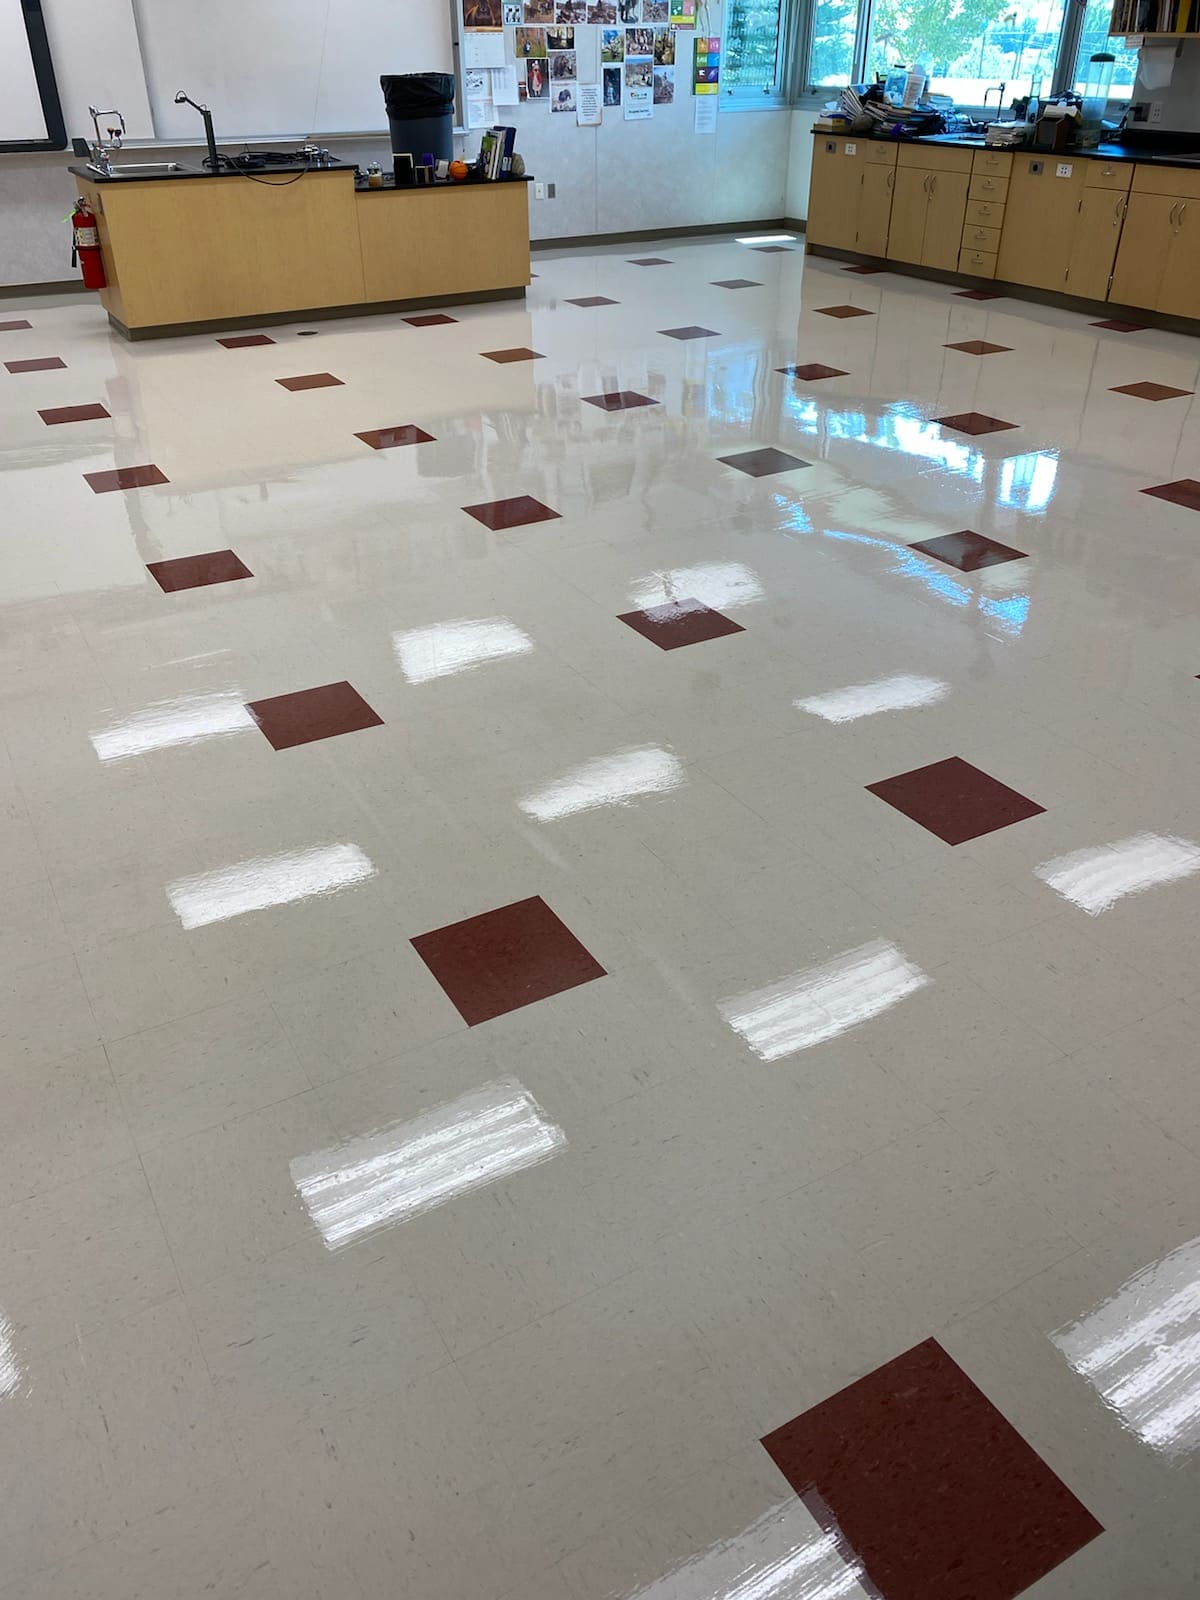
[(1094, 245), (875, 209), (928, 206), (1159, 253), (835, 193), (1039, 221)]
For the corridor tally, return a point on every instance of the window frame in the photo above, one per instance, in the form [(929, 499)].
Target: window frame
[(43, 71), (777, 96)]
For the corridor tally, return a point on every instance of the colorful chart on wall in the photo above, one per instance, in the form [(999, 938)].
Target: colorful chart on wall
[(706, 65), (683, 13)]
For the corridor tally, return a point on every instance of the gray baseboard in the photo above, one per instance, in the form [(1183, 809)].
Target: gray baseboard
[(22, 291), (697, 231)]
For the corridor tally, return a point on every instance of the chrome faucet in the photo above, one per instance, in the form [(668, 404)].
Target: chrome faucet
[(998, 91), (102, 151)]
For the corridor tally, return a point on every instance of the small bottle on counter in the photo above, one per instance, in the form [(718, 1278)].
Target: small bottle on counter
[(374, 176)]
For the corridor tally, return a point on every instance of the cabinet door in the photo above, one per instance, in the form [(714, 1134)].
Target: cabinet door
[(944, 220), (875, 209), (1179, 292), (1142, 254), (910, 203), (1039, 221), (1094, 248), (834, 194)]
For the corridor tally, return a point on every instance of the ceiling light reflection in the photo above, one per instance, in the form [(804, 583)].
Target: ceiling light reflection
[(186, 719), (1095, 879), (781, 1556), (11, 1372), (386, 1177), (903, 692), (614, 780), (715, 583), (447, 648), (267, 881), (1140, 1350), (768, 238), (822, 1002)]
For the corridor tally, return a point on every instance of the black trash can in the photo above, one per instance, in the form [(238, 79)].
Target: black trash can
[(420, 108)]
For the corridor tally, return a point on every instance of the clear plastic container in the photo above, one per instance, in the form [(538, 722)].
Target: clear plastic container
[(1094, 88)]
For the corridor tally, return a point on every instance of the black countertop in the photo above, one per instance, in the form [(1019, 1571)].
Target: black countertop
[(1170, 150), (278, 175)]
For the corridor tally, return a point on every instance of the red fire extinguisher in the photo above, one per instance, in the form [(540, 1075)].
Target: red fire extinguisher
[(85, 249)]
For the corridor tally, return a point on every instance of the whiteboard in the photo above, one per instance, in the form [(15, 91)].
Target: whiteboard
[(284, 68), (23, 120)]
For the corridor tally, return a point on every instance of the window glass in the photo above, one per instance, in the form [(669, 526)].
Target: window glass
[(1092, 40), (969, 46), (835, 24), (752, 38)]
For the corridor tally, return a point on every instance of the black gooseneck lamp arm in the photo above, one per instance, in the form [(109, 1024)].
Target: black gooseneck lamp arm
[(214, 160)]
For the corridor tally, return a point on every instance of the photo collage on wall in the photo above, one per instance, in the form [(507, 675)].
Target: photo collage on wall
[(637, 49)]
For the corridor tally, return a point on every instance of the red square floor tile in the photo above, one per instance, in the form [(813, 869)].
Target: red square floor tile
[(125, 478), (619, 400), (245, 341), (519, 353), (311, 380), (1183, 492), (1151, 391), (955, 800), (929, 1485), (763, 463), (516, 512), (679, 623), (310, 714), (968, 551), (197, 572), (978, 294), (736, 283), (650, 261), (390, 438), (593, 300), (864, 271), (973, 422), (980, 347), (691, 332), (58, 414), (433, 319), (38, 364), (11, 327), (506, 959), (1115, 325), (842, 311), (812, 371)]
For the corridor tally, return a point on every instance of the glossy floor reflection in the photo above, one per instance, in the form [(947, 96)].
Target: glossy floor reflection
[(476, 1070)]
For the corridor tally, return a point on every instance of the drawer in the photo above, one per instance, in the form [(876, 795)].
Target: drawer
[(1182, 182), (1109, 175), (996, 162), (985, 213), (974, 238), (931, 158), (979, 263), (985, 187), (880, 154)]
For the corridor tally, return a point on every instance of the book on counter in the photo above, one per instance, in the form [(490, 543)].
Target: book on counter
[(496, 152)]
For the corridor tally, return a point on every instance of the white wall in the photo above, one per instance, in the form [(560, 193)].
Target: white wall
[(799, 164), (618, 178), (1180, 96)]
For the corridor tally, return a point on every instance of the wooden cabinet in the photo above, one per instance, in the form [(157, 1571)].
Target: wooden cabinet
[(835, 193), (1094, 246), (875, 208), (1039, 220), (1156, 264), (928, 206)]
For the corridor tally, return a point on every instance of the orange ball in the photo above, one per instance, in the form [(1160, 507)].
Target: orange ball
[(459, 170)]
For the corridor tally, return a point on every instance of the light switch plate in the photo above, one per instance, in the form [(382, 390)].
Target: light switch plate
[(1064, 169)]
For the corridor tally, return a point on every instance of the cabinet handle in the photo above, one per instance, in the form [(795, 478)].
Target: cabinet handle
[(891, 180), (1117, 210), (925, 183), (1171, 213), (1182, 213), (933, 184)]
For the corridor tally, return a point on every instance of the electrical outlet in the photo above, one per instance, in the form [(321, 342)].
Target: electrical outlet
[(1063, 170), (1156, 111), (539, 191), (851, 149)]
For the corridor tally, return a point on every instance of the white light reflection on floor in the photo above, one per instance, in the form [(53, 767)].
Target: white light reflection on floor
[(267, 881), (186, 719), (1095, 879), (904, 692), (386, 1177), (1140, 1351), (614, 780), (781, 1556), (822, 1002), (713, 583), (448, 648), (11, 1373)]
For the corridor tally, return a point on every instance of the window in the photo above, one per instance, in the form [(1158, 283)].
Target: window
[(969, 46), (834, 33), (753, 47), (1094, 38)]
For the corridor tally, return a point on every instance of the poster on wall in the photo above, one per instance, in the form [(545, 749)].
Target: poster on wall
[(590, 109), (483, 13), (664, 86), (539, 12), (683, 13), (570, 11), (562, 97), (612, 45), (513, 12), (529, 42), (629, 10), (602, 11), (664, 47), (560, 39), (657, 12), (706, 66), (612, 86), (537, 80), (639, 89)]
